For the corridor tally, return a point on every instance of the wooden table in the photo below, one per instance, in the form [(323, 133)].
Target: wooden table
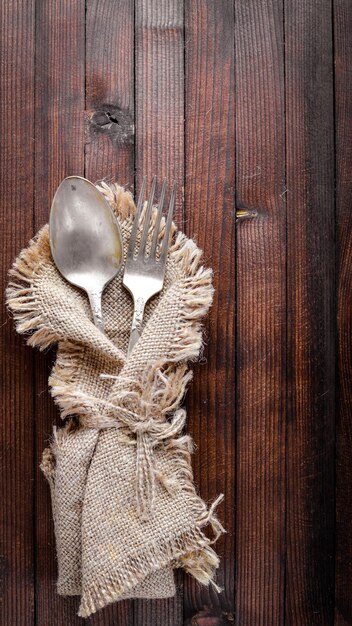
[(248, 105)]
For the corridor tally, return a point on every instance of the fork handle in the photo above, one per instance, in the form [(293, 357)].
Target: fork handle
[(137, 320)]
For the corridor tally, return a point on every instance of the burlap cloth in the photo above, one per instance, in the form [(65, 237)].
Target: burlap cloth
[(125, 508)]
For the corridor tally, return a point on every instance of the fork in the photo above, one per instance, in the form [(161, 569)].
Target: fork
[(144, 271)]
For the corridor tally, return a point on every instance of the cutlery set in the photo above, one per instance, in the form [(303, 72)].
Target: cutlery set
[(125, 507), (87, 246)]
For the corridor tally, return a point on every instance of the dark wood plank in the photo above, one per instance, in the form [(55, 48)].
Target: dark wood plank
[(59, 151), (343, 117), (159, 92), (17, 191), (210, 219), (159, 71), (109, 151), (261, 317), (311, 314), (110, 91)]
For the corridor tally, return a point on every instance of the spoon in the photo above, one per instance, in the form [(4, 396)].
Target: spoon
[(85, 239)]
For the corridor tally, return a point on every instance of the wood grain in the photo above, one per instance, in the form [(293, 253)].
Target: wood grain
[(210, 219), (159, 57), (343, 118), (109, 150), (311, 314), (59, 151), (17, 570), (159, 93), (237, 102), (260, 313)]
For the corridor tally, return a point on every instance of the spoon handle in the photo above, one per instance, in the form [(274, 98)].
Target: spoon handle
[(95, 303)]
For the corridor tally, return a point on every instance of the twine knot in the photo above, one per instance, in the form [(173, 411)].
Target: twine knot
[(142, 427), (145, 409), (149, 434)]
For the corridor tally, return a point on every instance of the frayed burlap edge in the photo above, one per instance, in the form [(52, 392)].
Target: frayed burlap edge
[(170, 551), (21, 296)]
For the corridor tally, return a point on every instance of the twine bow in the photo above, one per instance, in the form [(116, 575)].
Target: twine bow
[(149, 434), (144, 409)]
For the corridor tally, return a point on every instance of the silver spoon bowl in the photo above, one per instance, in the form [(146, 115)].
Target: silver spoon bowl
[(85, 239)]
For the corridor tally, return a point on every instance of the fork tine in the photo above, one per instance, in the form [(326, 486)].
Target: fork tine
[(157, 221), (147, 219), (165, 245), (136, 219)]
